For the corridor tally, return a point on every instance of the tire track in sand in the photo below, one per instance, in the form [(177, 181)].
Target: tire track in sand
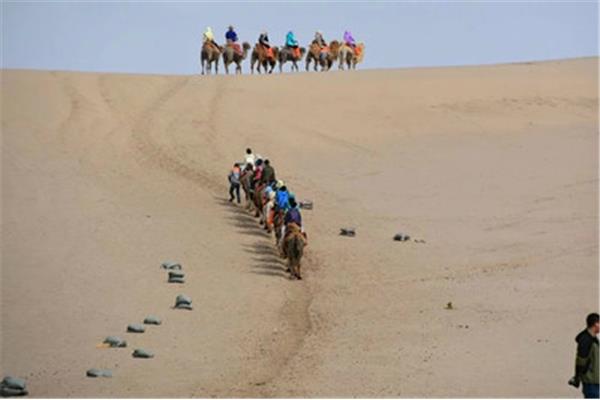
[(151, 153)]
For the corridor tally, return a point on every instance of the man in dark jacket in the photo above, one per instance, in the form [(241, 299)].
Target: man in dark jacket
[(268, 173), (586, 360)]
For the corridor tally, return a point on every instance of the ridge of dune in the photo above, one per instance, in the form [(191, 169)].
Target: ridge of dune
[(107, 175)]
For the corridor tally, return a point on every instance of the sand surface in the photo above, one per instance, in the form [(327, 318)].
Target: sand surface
[(105, 176)]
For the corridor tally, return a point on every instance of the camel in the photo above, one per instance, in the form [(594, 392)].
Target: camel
[(259, 200), (261, 58), (245, 179), (293, 246), (330, 56), (277, 225), (348, 56), (323, 57), (287, 54), (209, 54), (231, 56), (314, 55)]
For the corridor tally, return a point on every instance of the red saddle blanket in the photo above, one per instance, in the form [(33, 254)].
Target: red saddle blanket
[(236, 47)]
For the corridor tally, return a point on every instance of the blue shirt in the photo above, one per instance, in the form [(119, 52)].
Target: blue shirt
[(231, 35), (282, 199), (290, 40)]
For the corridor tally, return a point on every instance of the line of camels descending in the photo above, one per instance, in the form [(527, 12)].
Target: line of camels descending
[(265, 60)]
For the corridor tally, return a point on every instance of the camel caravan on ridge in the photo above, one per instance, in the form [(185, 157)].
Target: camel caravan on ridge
[(264, 57)]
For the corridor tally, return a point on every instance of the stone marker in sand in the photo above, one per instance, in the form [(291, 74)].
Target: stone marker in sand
[(176, 277), (136, 328), (13, 387), (152, 320), (171, 265), (400, 237), (114, 341), (348, 232), (183, 302), (306, 205), (141, 353), (99, 373)]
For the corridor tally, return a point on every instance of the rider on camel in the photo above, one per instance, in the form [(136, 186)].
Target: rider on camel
[(268, 174), (258, 170), (292, 43), (209, 37), (292, 222), (231, 38), (263, 39), (293, 214), (319, 39), (282, 197), (249, 158), (349, 39)]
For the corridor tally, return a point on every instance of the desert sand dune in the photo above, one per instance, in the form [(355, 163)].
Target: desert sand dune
[(105, 176)]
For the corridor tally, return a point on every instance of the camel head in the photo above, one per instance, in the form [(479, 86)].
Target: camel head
[(361, 46)]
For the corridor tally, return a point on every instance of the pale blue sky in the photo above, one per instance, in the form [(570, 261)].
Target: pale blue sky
[(164, 37)]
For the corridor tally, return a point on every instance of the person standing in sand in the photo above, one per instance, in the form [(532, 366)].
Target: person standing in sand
[(234, 183), (586, 360)]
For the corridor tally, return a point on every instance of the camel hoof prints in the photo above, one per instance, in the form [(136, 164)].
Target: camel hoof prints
[(152, 320), (171, 265), (10, 387), (136, 328), (141, 353), (115, 341), (348, 232), (99, 373)]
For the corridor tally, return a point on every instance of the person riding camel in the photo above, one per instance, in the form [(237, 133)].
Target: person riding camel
[(292, 43), (268, 174), (258, 170), (249, 158), (231, 38), (319, 39), (282, 197), (349, 40), (209, 37), (269, 211), (292, 223), (263, 40)]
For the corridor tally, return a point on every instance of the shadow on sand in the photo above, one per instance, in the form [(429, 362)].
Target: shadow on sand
[(265, 257)]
